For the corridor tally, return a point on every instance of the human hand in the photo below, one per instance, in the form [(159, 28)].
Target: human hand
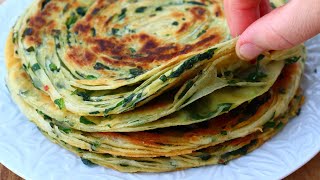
[(261, 29)]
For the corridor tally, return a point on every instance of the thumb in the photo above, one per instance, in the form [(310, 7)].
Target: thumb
[(283, 28)]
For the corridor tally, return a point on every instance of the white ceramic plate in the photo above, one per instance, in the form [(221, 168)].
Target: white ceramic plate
[(25, 151)]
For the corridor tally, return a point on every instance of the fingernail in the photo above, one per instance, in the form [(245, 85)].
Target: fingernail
[(249, 51)]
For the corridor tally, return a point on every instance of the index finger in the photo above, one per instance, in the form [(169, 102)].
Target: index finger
[(240, 14)]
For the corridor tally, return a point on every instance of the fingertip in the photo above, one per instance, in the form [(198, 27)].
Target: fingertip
[(248, 51)]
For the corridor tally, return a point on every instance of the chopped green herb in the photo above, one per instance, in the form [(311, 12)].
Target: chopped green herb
[(231, 82), (95, 145), (69, 38), (35, 67), (128, 99), (188, 64), (90, 77), (132, 30), (173, 163), (132, 50), (269, 124), (94, 112), (30, 49), (279, 126), (139, 95), (201, 33), (195, 3), (123, 165), (159, 8), (292, 60), (205, 156), (175, 23), (81, 11), (71, 20), (163, 78), (44, 3), (64, 129), (27, 32), (114, 31), (122, 15), (140, 9), (260, 57), (15, 37), (65, 8), (242, 151), (85, 95), (224, 133), (273, 5), (256, 76), (298, 112), (87, 162), (58, 46), (24, 67), (107, 155), (100, 66), (60, 103), (45, 117), (84, 120), (53, 67), (93, 32), (136, 72), (106, 111)]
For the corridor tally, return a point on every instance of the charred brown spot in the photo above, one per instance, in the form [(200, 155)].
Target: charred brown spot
[(198, 13), (80, 56), (114, 50), (207, 40), (144, 37), (102, 45), (184, 27), (95, 11), (108, 21), (24, 75), (151, 44), (37, 21), (81, 28), (218, 12), (51, 25)]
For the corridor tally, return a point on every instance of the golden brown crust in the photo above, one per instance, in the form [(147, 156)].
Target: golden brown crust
[(9, 52), (143, 50)]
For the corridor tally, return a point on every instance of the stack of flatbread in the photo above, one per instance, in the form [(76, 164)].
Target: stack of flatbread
[(147, 86)]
